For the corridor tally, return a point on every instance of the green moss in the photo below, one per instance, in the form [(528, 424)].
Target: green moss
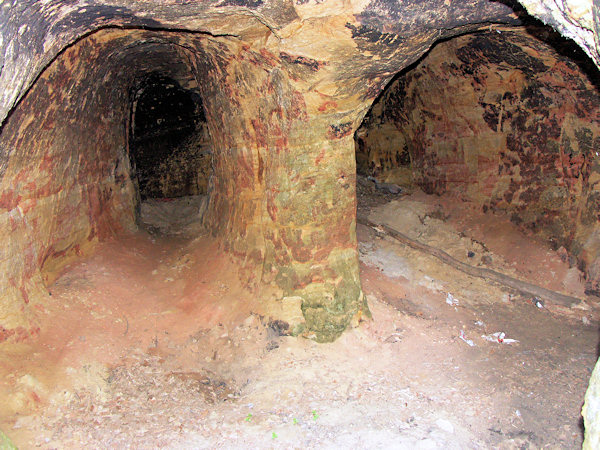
[(6, 443), (326, 327), (286, 279), (298, 329), (328, 307)]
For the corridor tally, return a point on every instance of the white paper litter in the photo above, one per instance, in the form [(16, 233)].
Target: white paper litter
[(468, 341), (451, 300), (498, 337)]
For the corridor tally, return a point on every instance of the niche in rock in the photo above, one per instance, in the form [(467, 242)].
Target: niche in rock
[(506, 120), (169, 145)]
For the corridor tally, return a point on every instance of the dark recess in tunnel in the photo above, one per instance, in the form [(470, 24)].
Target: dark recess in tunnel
[(166, 121), (391, 98), (504, 118)]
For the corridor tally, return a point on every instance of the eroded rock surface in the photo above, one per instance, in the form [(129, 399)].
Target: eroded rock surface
[(504, 119), (285, 85)]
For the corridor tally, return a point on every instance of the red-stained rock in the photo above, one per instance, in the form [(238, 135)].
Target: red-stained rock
[(284, 86), (496, 117)]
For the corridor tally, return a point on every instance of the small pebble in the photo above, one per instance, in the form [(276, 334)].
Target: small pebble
[(445, 425)]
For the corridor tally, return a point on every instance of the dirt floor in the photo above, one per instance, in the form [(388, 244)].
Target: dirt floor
[(154, 342)]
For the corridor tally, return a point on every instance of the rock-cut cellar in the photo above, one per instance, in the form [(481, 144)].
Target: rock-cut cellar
[(265, 154)]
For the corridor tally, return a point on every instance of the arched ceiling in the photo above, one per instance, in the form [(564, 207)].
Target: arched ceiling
[(33, 32)]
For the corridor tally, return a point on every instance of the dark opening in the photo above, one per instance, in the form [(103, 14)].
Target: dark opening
[(167, 146), (481, 160), (504, 119)]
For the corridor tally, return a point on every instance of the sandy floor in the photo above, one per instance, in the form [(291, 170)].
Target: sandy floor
[(153, 342)]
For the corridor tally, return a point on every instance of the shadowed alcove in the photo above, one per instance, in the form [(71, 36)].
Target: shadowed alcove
[(166, 141), (507, 121)]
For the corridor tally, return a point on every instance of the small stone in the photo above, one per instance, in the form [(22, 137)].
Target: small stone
[(445, 425)]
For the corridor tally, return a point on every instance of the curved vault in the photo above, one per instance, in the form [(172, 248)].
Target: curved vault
[(284, 86), (507, 119)]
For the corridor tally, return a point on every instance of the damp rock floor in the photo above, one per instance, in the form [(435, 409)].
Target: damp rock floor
[(153, 342)]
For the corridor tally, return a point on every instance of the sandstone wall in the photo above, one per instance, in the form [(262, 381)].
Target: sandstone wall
[(286, 85), (283, 182), (505, 120), (66, 182), (282, 189)]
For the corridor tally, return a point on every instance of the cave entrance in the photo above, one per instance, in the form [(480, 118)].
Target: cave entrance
[(476, 167), (170, 151), (503, 122)]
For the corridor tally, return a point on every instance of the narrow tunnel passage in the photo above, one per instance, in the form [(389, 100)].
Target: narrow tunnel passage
[(170, 151), (168, 127)]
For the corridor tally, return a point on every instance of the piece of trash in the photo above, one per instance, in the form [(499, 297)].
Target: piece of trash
[(479, 323), (379, 229), (451, 300), (386, 187), (537, 302), (585, 320), (499, 337), (468, 341), (470, 254), (394, 337), (445, 425)]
